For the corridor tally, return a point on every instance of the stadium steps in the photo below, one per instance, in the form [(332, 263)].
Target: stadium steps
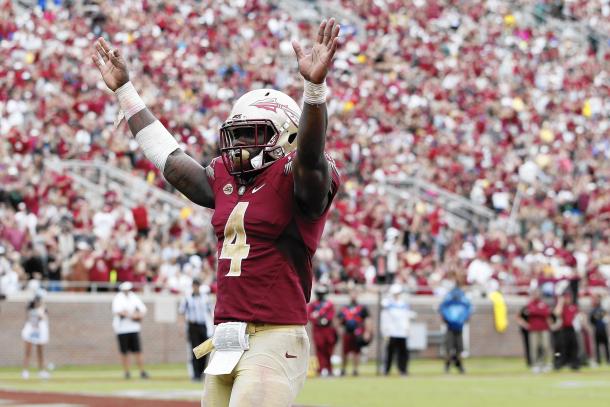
[(462, 214), (97, 178)]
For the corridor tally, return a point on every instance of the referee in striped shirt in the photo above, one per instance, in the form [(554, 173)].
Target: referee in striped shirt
[(197, 314)]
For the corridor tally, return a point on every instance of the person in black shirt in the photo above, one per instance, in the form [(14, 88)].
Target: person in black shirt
[(598, 319), (54, 272), (32, 262)]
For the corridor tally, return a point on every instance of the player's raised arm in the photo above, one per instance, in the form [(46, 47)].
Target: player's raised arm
[(159, 146), (312, 178)]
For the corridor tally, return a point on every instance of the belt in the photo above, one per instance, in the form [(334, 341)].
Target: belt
[(207, 346)]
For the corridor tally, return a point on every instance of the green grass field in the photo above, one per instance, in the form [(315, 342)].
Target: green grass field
[(488, 382)]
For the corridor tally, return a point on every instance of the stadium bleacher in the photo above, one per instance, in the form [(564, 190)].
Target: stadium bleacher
[(504, 104)]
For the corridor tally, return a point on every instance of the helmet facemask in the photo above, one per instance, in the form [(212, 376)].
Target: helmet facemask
[(248, 146), (261, 129)]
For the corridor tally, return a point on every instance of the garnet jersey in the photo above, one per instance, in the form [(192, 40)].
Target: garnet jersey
[(321, 313), (265, 245)]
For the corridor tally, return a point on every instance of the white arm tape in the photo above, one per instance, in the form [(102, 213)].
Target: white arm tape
[(314, 93), (157, 143), (129, 100)]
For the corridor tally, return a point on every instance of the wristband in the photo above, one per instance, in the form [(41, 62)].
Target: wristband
[(129, 100), (314, 93)]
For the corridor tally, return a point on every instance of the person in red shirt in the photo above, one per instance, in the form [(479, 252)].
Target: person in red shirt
[(321, 314), (538, 325), (140, 218), (270, 200), (567, 311), (99, 273)]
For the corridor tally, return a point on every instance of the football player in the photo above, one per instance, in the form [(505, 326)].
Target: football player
[(357, 331), (322, 314), (270, 202)]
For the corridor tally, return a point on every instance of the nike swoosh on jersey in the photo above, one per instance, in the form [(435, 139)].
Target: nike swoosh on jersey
[(289, 356), (255, 189)]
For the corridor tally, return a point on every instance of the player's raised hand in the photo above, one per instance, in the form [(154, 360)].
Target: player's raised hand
[(315, 65), (111, 64)]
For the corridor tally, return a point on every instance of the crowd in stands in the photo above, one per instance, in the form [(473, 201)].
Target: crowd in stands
[(478, 98)]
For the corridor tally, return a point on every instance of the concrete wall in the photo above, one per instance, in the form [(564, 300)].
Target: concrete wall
[(81, 332)]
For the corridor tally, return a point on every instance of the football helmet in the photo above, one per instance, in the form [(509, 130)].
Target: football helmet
[(261, 128)]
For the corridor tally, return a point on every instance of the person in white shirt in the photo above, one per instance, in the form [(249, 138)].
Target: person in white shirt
[(9, 278), (103, 223), (128, 310), (395, 322), (35, 332)]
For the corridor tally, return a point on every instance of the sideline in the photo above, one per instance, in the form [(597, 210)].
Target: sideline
[(17, 398)]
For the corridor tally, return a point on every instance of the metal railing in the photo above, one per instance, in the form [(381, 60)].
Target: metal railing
[(578, 31), (152, 287), (97, 177), (314, 11), (462, 213)]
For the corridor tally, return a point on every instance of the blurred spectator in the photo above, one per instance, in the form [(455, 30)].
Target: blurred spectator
[(80, 263), (455, 311), (567, 311), (128, 310), (140, 217), (9, 278), (36, 332), (598, 317), (357, 331), (32, 262), (396, 318), (538, 326), (321, 314)]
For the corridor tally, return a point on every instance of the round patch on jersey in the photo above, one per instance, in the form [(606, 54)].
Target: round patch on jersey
[(228, 189)]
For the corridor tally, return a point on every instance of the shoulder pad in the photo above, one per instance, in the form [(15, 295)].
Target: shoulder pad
[(210, 169), (288, 165), (288, 168)]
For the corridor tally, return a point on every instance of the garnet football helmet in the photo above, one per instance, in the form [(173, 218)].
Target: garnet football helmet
[(261, 128)]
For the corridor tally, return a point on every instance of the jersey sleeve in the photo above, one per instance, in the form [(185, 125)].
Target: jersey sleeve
[(335, 183), (335, 176), (212, 172), (311, 229), (335, 179)]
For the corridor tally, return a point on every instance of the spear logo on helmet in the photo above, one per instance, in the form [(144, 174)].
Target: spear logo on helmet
[(272, 105)]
